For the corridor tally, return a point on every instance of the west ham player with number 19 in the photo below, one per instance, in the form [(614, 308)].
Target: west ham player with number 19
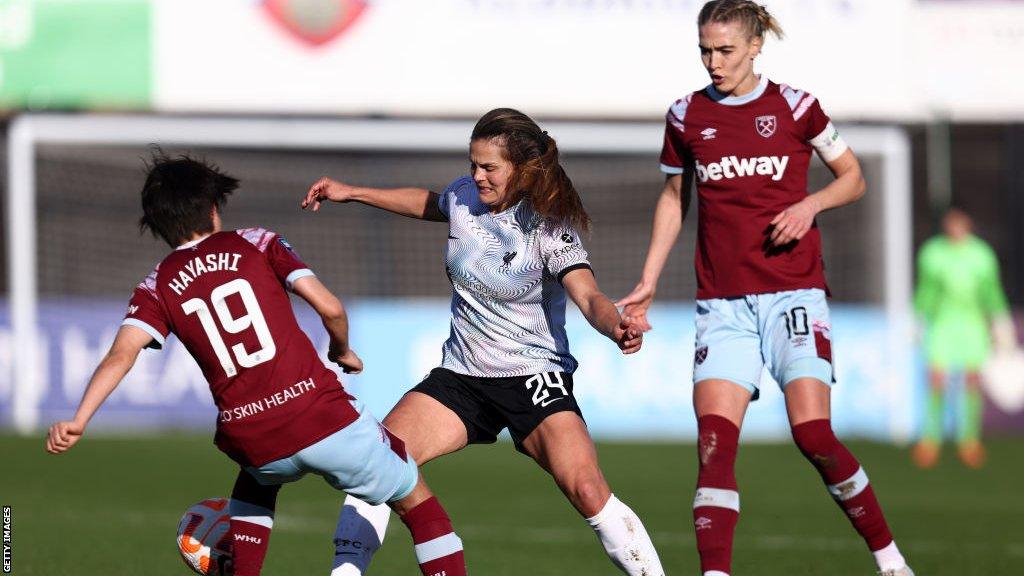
[(761, 284), (282, 413)]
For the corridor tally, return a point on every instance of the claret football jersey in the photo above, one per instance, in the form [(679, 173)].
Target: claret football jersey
[(224, 298), (749, 156), (508, 303)]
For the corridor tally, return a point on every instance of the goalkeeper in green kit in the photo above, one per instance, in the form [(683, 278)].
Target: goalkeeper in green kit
[(961, 302)]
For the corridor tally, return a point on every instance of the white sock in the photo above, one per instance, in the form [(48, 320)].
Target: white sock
[(715, 573), (625, 540), (889, 558), (360, 532)]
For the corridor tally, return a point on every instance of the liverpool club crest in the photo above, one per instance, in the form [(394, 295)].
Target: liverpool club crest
[(315, 22), (765, 125)]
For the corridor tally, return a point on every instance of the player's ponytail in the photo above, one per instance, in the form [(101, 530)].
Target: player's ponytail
[(538, 174), (755, 17)]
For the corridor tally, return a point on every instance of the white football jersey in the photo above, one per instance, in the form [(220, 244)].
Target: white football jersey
[(508, 304)]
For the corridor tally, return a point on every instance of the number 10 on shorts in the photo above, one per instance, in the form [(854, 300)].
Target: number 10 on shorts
[(542, 385)]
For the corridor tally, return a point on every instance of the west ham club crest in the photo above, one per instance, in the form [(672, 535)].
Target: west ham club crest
[(315, 22), (765, 125), (700, 355)]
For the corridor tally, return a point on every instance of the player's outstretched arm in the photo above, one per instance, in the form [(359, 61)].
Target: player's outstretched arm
[(335, 319), (668, 221), (848, 187), (412, 202), (600, 311), (129, 341)]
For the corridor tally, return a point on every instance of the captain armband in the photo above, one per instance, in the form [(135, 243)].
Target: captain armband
[(829, 144)]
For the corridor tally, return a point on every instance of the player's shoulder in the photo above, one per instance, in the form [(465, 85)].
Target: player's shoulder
[(148, 284), (461, 186), (798, 100), (982, 247), (676, 114), (462, 192), (932, 246), (258, 237)]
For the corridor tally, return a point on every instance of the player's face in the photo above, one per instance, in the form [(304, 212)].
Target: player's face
[(491, 171), (728, 56), (956, 225)]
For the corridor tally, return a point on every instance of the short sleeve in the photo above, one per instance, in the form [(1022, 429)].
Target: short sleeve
[(816, 119), (146, 313), (562, 250), (673, 150), (822, 134), (449, 196), (287, 265), (443, 203)]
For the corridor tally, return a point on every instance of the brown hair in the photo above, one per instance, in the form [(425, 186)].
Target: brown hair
[(538, 174), (754, 17)]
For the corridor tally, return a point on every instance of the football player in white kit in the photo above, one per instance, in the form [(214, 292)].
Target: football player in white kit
[(514, 252)]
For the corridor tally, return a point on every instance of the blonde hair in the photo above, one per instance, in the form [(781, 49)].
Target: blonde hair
[(754, 17)]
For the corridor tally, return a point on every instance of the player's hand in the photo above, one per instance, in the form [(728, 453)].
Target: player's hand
[(628, 336), (635, 305), (793, 223), (349, 362), (62, 436), (326, 189)]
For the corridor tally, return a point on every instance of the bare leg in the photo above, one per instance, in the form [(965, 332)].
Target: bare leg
[(562, 446)]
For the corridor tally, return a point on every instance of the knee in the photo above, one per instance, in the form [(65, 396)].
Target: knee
[(717, 443), (815, 438), (587, 490)]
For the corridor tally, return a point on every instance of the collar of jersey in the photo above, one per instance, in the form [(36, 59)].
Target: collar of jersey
[(192, 243), (717, 96)]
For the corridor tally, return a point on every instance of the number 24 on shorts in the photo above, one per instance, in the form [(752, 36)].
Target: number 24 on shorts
[(543, 384)]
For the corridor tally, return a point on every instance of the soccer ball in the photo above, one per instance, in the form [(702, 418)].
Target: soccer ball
[(204, 539)]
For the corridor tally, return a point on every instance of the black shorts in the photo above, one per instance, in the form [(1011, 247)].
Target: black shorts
[(488, 405)]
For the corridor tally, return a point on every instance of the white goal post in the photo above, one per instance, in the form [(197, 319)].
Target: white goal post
[(28, 131)]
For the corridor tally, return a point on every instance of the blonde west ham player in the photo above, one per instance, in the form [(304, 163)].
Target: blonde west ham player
[(514, 255), (761, 285), (282, 413)]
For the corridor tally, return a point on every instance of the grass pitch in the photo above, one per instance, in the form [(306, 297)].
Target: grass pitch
[(111, 506)]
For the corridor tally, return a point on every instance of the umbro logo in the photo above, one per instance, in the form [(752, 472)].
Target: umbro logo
[(708, 133), (567, 238), (702, 523)]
